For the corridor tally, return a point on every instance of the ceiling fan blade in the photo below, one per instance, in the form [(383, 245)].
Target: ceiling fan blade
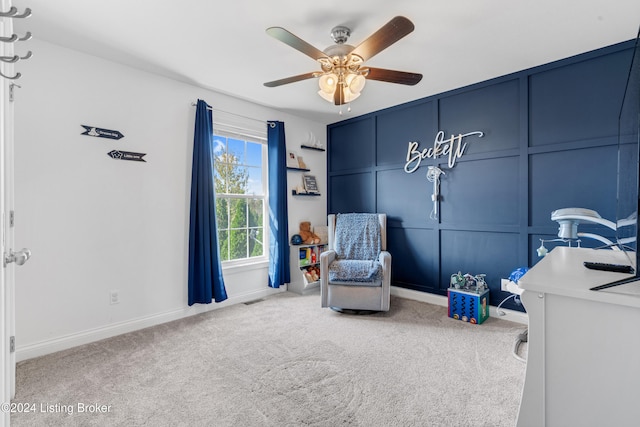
[(295, 42), (390, 33), (393, 76), (291, 79)]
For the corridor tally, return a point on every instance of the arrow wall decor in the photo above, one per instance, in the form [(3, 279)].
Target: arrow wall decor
[(126, 155), (101, 133)]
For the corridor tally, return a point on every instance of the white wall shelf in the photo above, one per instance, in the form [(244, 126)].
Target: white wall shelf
[(309, 147)]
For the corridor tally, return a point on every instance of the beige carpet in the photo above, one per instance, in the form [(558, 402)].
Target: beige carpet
[(284, 361)]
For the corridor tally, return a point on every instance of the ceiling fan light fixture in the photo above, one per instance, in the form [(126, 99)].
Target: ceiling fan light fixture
[(327, 83), (326, 96), (350, 95), (355, 83)]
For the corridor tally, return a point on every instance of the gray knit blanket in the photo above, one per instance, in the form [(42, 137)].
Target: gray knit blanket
[(357, 244)]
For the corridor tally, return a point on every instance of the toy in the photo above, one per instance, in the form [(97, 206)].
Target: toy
[(308, 236), (312, 274), (481, 284), (468, 306), (457, 280), (469, 282)]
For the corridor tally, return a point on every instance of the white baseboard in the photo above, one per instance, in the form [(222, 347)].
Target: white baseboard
[(511, 315), (62, 343)]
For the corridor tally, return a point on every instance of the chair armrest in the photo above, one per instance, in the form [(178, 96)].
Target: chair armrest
[(329, 255), (385, 261), (326, 258)]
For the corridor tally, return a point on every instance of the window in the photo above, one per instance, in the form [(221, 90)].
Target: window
[(240, 172)]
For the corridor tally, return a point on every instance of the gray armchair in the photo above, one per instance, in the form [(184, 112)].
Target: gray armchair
[(355, 270)]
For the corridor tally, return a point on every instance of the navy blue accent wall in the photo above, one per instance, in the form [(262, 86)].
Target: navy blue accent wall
[(550, 141)]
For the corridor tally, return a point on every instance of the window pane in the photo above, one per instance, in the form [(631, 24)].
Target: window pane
[(255, 213), (254, 154), (230, 179), (256, 247), (223, 244), (219, 145), (254, 180), (221, 174), (238, 213), (238, 244), (222, 213), (238, 180), (217, 179), (235, 149)]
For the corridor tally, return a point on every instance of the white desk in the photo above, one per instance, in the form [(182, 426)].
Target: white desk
[(583, 363)]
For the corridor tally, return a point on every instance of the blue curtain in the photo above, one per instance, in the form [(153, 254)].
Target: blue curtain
[(278, 217), (205, 271)]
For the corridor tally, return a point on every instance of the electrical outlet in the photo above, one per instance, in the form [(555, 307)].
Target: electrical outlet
[(114, 297), (503, 285)]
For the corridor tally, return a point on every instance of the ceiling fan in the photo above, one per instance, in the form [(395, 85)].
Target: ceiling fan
[(343, 74)]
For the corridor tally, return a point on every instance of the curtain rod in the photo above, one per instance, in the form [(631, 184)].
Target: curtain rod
[(233, 114)]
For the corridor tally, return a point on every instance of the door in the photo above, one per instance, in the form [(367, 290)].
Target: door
[(6, 317), (9, 257)]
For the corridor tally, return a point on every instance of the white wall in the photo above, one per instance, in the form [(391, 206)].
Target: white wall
[(95, 224)]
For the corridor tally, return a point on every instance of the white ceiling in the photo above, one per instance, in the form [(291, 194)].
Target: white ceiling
[(223, 45)]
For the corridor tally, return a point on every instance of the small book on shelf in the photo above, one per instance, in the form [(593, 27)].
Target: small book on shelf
[(292, 160), (310, 184)]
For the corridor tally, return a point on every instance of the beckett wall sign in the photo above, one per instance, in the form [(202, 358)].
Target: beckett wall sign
[(453, 148)]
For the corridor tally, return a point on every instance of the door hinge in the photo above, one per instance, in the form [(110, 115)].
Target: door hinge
[(11, 218), (12, 344)]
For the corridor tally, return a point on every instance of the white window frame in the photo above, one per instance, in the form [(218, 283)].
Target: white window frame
[(255, 135)]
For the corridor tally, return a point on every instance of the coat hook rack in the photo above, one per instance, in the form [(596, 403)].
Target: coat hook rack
[(17, 76), (15, 38), (10, 13), (13, 13), (25, 14), (15, 58), (10, 59), (12, 39)]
